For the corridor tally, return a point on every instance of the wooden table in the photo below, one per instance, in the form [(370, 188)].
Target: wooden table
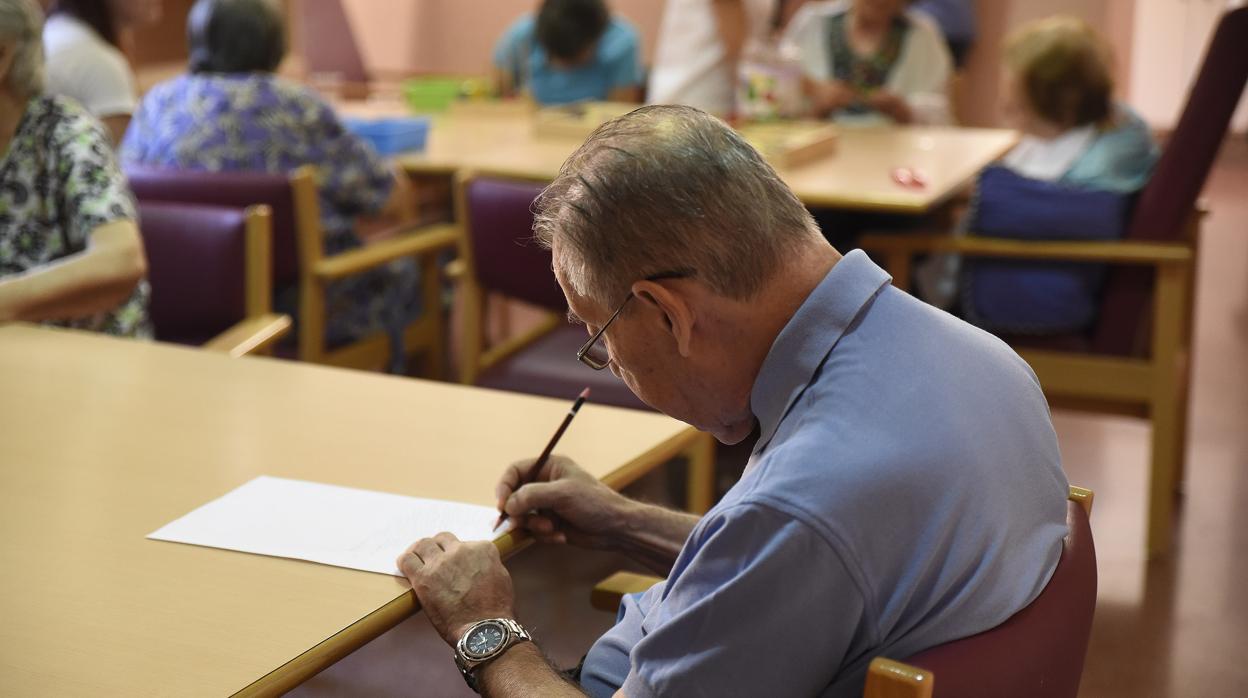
[(858, 176), (102, 441)]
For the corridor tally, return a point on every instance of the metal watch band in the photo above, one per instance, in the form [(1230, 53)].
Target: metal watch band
[(468, 666)]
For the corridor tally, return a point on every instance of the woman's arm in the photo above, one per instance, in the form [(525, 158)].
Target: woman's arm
[(95, 280)]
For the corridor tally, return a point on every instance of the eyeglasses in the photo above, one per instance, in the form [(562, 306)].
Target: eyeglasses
[(593, 353)]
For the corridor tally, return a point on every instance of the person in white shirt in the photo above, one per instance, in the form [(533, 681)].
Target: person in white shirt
[(699, 44), (84, 62), (872, 60)]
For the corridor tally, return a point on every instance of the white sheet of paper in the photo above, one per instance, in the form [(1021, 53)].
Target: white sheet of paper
[(340, 526)]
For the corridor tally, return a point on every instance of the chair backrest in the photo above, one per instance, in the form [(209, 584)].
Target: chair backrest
[(1039, 651), (236, 190), (197, 268), (505, 257), (1164, 205)]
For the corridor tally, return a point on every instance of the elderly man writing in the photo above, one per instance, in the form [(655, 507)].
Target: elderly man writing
[(905, 490)]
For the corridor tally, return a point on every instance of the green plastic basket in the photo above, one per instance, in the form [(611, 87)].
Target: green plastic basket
[(432, 94)]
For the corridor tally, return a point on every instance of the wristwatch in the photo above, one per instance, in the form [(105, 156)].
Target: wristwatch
[(485, 641)]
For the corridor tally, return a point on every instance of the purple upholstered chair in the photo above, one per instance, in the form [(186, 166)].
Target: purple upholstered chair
[(1039, 651), (299, 259), (501, 257), (209, 269), (1136, 359), (498, 256)]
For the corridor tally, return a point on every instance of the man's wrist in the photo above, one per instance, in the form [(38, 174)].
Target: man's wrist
[(457, 631)]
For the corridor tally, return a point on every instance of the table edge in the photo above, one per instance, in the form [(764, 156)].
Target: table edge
[(337, 646)]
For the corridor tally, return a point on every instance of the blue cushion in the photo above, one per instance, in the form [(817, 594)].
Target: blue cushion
[(1029, 297)]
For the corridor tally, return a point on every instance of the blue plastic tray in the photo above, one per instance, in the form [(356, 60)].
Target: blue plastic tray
[(391, 136)]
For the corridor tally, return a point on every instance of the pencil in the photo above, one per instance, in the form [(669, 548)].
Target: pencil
[(550, 447)]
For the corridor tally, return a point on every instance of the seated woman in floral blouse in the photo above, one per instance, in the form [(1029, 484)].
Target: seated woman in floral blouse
[(231, 113), (70, 253)]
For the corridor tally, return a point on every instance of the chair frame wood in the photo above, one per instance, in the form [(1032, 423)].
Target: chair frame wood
[(475, 357), (261, 328), (1155, 388), (317, 270)]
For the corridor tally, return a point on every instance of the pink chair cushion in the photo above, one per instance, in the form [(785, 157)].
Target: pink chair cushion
[(1039, 651)]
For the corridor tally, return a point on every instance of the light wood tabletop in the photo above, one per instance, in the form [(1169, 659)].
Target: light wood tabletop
[(103, 440), (857, 176)]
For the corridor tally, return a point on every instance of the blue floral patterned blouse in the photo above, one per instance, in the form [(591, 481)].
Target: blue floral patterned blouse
[(259, 122)]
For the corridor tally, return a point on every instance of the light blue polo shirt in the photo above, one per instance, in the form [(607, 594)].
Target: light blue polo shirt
[(615, 64), (906, 490)]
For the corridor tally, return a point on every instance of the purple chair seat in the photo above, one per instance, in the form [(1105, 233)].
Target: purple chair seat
[(549, 367), (196, 268), (1039, 651)]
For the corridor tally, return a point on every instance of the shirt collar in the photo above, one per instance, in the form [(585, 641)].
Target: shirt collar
[(809, 337)]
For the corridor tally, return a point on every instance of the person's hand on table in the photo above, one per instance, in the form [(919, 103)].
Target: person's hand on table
[(828, 96), (561, 503), (458, 583), (892, 104)]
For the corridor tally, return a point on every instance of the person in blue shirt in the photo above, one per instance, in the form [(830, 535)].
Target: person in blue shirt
[(570, 51), (905, 487)]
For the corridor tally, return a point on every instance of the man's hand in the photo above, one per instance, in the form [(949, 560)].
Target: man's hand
[(458, 583), (892, 104), (561, 503)]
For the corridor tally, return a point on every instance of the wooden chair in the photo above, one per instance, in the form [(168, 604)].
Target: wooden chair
[(299, 257), (210, 270), (498, 258), (1036, 653), (1136, 360)]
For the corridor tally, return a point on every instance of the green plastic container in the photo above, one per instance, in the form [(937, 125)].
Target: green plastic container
[(432, 94)]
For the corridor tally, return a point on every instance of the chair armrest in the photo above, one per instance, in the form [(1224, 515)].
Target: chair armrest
[(455, 269), (887, 678), (1118, 251), (413, 244), (607, 594), (251, 335)]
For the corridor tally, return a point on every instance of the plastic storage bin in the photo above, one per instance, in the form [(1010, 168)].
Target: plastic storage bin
[(391, 136)]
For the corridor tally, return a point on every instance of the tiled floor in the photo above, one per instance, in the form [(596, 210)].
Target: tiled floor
[(1174, 627)]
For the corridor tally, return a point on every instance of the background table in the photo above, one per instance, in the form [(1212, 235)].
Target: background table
[(857, 176), (102, 441)]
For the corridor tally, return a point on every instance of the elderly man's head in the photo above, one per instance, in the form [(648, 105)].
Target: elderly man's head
[(235, 36), (670, 214), (21, 48)]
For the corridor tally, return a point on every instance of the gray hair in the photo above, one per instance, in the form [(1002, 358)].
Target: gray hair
[(21, 21), (668, 189)]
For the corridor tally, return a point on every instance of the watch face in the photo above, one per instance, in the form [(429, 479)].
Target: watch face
[(485, 640)]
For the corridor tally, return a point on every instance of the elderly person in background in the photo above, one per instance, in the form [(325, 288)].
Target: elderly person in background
[(1073, 174), (570, 51), (872, 60), (905, 489), (70, 253), (231, 113), (82, 41)]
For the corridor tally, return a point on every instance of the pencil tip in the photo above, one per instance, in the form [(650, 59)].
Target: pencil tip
[(584, 393)]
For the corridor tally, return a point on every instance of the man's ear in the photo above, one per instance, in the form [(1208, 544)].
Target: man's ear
[(671, 300)]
